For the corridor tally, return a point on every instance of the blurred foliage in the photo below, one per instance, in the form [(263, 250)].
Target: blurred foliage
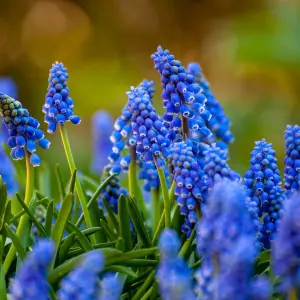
[(248, 50)]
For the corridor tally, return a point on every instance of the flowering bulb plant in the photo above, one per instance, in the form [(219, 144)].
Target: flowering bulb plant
[(186, 226)]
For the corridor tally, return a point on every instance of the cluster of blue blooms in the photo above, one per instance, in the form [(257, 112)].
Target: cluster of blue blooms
[(58, 107), (102, 125), (263, 186), (181, 97), (173, 274), (83, 282), (23, 130), (292, 159), (226, 241), (219, 123)]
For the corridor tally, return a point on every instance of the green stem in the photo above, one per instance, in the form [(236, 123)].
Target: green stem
[(132, 172), (165, 193), (28, 196), (156, 207), (81, 196)]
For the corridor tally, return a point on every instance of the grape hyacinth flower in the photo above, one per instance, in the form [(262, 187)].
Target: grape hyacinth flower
[(224, 219), (173, 275), (190, 180), (23, 129), (82, 282), (219, 123), (110, 287), (286, 246), (31, 279), (204, 281), (235, 280), (262, 183), (292, 159), (216, 167), (59, 106), (102, 128), (112, 191), (7, 169), (181, 96)]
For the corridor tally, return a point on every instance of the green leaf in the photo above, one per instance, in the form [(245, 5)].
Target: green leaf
[(184, 251), (109, 233), (124, 223), (72, 182), (82, 239), (64, 249), (49, 217), (262, 267), (89, 182), (264, 256), (139, 263), (62, 218), (66, 267), (96, 196), (3, 291), (111, 215), (138, 223), (177, 220), (16, 241), (120, 245), (121, 269), (6, 215), (141, 291), (38, 225), (60, 183)]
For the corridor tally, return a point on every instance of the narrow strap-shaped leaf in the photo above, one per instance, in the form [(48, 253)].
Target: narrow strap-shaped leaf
[(96, 196), (121, 269), (72, 182), (38, 225), (60, 182), (64, 249), (111, 215), (130, 255), (177, 220), (66, 267), (141, 291), (109, 233), (90, 183), (138, 223), (62, 218), (120, 245), (124, 222), (82, 239), (86, 232), (16, 241), (187, 244), (49, 217), (139, 262), (3, 291), (148, 294), (17, 216), (6, 214)]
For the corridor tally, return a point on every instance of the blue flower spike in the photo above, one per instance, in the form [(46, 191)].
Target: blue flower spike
[(31, 279), (173, 275), (82, 282), (292, 159), (181, 96), (59, 106), (263, 185), (23, 130)]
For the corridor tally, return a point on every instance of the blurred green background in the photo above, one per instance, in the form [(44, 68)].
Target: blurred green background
[(249, 51)]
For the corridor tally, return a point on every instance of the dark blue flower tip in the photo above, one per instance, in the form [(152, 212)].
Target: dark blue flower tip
[(59, 106)]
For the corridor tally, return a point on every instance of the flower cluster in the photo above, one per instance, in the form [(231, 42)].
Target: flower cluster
[(82, 282), (190, 180), (292, 159), (181, 96), (216, 167), (286, 246), (262, 184), (23, 129), (112, 191), (31, 279), (173, 275), (58, 107), (219, 123), (102, 125)]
